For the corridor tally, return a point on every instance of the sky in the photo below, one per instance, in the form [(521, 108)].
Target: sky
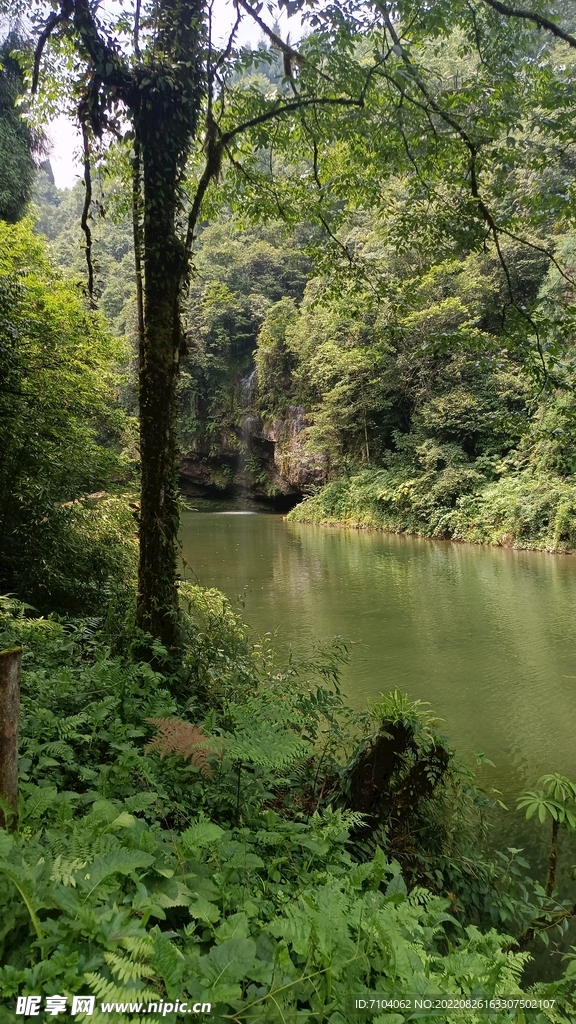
[(63, 135)]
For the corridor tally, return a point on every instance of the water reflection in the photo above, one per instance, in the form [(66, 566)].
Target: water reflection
[(486, 635)]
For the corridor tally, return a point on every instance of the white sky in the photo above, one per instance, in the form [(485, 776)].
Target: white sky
[(63, 135)]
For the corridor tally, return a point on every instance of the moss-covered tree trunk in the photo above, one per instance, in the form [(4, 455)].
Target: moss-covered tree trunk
[(159, 352), (165, 118), (160, 88)]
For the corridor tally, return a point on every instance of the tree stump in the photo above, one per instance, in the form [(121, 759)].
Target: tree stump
[(10, 662)]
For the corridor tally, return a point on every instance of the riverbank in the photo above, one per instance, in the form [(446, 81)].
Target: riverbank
[(519, 510)]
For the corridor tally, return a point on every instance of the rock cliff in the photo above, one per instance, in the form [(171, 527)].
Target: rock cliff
[(263, 460)]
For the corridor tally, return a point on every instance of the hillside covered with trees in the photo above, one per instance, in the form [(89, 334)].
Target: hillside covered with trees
[(398, 367), (339, 271)]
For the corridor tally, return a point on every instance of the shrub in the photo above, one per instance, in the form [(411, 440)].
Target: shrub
[(522, 509)]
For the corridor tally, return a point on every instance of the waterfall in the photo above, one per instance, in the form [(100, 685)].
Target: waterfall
[(246, 390), (245, 394)]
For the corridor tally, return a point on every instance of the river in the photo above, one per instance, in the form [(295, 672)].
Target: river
[(486, 635)]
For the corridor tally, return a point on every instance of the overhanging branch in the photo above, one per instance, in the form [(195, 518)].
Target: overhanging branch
[(100, 53), (287, 108), (216, 144), (53, 21), (289, 53), (537, 19), (86, 209)]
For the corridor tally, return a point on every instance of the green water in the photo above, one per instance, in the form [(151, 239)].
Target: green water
[(487, 636)]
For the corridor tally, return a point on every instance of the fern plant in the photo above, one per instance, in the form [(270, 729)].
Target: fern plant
[(262, 924), (183, 738)]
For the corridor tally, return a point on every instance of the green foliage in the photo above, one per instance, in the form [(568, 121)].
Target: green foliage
[(414, 353), (62, 436), (557, 800), (240, 277), (519, 510), (140, 878), (17, 141), (463, 446), (59, 214), (274, 362), (147, 915)]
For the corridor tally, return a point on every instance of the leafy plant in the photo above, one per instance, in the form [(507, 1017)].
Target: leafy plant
[(140, 878), (556, 800), (65, 543), (189, 741)]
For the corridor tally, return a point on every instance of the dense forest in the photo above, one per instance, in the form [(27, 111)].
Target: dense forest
[(386, 374), (336, 278)]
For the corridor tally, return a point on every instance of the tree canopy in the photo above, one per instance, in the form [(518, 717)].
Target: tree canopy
[(17, 140)]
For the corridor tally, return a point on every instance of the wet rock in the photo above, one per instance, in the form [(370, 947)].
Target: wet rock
[(268, 461)]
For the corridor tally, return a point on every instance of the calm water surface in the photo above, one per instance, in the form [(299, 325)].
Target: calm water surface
[(487, 636)]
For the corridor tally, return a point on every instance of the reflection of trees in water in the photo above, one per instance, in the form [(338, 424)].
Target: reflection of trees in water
[(485, 635), (503, 618)]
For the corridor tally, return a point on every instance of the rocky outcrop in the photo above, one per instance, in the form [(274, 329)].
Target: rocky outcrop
[(300, 469), (262, 460)]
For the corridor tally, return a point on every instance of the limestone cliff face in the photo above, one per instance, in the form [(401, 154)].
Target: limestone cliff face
[(300, 469), (262, 460)]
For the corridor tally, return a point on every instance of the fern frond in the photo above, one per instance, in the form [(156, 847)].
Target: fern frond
[(183, 738), (268, 747), (138, 945), (128, 970), (108, 991), (68, 727), (57, 748)]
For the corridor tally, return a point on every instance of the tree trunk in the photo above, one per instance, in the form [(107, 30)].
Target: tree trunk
[(157, 606), (165, 103), (552, 858), (10, 662)]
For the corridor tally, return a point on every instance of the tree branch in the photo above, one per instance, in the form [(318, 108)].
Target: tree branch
[(217, 143), (272, 36), (99, 52), (540, 924), (86, 210), (137, 29), (447, 118), (494, 229), (53, 21), (214, 149), (537, 19), (226, 53), (268, 115)]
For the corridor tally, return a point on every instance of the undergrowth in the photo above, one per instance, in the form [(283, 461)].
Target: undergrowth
[(523, 509), (209, 846)]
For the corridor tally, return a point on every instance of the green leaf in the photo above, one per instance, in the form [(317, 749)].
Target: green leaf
[(205, 911), (124, 820), (234, 927), (123, 863), (6, 843), (24, 887), (396, 886), (229, 962), (203, 833), (168, 961)]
